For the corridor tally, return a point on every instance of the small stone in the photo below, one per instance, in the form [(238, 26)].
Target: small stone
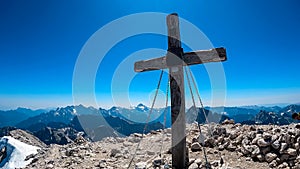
[(255, 151), (226, 144), (260, 157), (49, 166), (219, 131), (291, 163), (191, 161), (267, 136), (283, 147), (260, 131), (262, 143), (221, 147), (273, 164), (102, 165), (226, 121), (252, 128), (158, 162), (270, 157), (114, 152), (254, 141), (283, 165), (246, 149), (127, 144), (198, 161), (209, 142), (193, 166), (265, 150), (284, 157), (231, 147), (150, 153), (276, 145), (274, 138), (233, 135), (245, 141), (291, 152), (220, 140), (194, 140), (195, 147), (215, 163), (141, 165), (118, 155), (134, 139)]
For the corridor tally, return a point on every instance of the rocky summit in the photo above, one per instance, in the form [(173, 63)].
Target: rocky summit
[(227, 145)]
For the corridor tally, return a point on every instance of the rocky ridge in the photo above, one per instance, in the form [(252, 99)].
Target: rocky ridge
[(227, 145), (230, 146)]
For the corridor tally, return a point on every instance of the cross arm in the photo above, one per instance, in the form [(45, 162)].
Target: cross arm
[(189, 58)]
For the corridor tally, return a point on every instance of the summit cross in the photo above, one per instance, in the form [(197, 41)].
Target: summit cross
[(174, 60)]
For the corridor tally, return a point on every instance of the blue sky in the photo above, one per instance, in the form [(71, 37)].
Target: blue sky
[(41, 40)]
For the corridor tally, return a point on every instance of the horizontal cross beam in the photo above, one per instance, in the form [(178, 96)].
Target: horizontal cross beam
[(189, 58)]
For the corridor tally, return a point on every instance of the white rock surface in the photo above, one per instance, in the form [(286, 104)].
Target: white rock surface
[(17, 152)]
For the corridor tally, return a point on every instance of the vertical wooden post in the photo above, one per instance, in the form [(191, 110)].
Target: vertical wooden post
[(175, 53)]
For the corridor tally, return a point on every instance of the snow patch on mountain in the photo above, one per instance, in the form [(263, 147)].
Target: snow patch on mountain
[(142, 108), (16, 153)]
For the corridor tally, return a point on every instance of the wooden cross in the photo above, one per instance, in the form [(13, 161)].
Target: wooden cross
[(174, 61)]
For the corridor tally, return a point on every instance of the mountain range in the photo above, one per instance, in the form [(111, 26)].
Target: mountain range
[(63, 125)]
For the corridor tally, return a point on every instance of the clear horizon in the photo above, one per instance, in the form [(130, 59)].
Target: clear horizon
[(41, 42), (130, 106)]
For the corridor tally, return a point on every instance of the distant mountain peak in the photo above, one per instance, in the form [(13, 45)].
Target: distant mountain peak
[(141, 107)]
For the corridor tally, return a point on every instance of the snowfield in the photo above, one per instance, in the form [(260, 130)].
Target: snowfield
[(17, 151)]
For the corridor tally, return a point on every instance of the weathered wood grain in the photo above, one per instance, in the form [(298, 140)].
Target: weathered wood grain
[(189, 58), (179, 158)]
